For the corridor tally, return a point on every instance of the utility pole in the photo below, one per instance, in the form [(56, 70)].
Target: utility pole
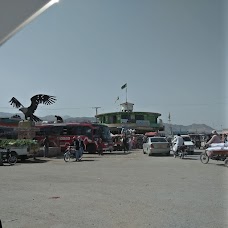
[(96, 112)]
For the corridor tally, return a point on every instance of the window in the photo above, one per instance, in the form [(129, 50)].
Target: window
[(79, 130), (102, 132), (158, 140), (139, 117), (114, 119), (186, 138), (124, 116)]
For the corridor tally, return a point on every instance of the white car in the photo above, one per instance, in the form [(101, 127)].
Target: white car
[(156, 145), (189, 144)]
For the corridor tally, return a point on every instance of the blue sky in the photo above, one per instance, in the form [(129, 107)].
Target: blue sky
[(171, 53)]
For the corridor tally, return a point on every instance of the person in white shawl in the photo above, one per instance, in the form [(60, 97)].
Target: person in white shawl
[(177, 142)]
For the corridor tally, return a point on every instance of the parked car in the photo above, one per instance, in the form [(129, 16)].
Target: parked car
[(156, 145)]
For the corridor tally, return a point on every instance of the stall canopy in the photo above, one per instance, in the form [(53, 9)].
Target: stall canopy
[(151, 134), (15, 14)]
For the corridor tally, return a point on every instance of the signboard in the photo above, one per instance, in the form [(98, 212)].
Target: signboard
[(15, 14)]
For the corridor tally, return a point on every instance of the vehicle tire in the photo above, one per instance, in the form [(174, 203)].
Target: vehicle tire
[(66, 157), (204, 158), (12, 160), (226, 162), (13, 153)]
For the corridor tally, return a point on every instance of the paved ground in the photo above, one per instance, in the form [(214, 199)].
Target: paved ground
[(116, 191)]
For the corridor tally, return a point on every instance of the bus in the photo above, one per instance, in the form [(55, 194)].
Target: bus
[(61, 135)]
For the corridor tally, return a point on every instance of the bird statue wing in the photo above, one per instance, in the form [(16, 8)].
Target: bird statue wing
[(59, 119), (15, 103), (41, 99)]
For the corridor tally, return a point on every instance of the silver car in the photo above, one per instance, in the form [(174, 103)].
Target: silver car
[(156, 145)]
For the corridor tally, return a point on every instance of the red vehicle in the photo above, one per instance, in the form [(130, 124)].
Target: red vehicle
[(61, 134)]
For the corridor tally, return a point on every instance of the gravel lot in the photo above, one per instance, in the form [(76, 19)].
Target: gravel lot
[(116, 190)]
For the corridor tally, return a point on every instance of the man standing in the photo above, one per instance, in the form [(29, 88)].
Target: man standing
[(46, 146), (100, 147), (81, 148), (125, 143)]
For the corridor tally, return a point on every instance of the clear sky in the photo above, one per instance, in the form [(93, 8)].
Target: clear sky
[(171, 53)]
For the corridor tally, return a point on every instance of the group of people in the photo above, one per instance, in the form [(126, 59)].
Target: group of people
[(215, 138), (77, 144)]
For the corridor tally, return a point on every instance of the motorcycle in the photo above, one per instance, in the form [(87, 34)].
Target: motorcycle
[(219, 153), (181, 152), (70, 154)]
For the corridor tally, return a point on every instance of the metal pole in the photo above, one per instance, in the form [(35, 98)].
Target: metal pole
[(126, 94), (96, 112)]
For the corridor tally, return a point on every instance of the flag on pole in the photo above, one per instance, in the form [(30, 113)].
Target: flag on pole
[(124, 86), (117, 99)]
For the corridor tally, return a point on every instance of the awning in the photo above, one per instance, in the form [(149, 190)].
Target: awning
[(151, 134)]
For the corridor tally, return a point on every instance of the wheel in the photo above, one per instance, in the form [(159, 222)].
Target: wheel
[(66, 157), (204, 158), (12, 160), (226, 162), (13, 153)]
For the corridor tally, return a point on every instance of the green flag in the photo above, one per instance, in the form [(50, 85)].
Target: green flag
[(124, 86)]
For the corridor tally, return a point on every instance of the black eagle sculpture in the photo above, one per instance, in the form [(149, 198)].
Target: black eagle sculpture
[(35, 101)]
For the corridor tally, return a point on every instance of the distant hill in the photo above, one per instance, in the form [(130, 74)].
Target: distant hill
[(193, 128)]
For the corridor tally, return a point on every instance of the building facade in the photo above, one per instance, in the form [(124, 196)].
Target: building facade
[(141, 122)]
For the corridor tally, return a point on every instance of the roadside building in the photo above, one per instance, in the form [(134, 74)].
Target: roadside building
[(141, 122)]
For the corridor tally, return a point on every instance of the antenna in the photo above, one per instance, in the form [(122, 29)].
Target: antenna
[(96, 112)]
